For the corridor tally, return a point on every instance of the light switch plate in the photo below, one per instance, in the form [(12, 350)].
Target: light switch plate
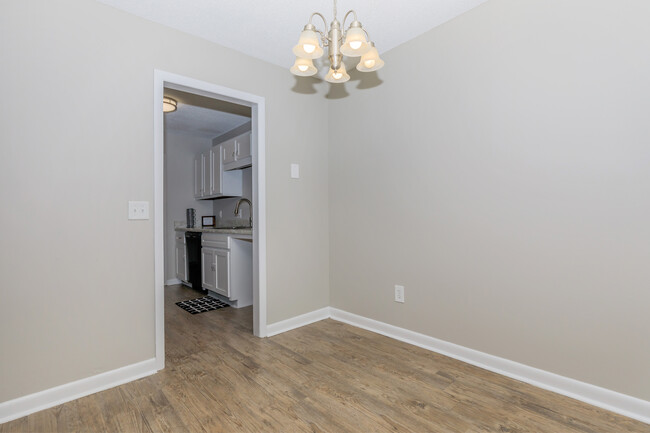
[(399, 294), (295, 171), (138, 210)]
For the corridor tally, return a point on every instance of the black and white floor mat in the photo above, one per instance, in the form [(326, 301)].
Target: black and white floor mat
[(201, 305)]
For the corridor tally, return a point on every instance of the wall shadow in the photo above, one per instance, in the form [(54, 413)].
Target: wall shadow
[(337, 91), (305, 85), (366, 80), (363, 80)]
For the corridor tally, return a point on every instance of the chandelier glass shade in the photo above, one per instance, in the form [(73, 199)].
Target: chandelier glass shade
[(303, 67), (351, 42), (370, 61), (337, 76)]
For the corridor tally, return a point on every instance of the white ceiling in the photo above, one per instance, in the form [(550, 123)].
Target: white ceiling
[(268, 29), (204, 117), (202, 122)]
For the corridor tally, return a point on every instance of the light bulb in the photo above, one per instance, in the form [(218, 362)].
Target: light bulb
[(309, 48), (355, 45), (303, 67), (370, 61), (337, 76)]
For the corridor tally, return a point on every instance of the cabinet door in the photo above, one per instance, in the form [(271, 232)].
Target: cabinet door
[(198, 176), (208, 268), (205, 162), (229, 151), (181, 259), (243, 147), (216, 186), (222, 260)]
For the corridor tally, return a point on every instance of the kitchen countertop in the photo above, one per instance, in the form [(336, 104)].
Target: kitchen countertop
[(225, 231)]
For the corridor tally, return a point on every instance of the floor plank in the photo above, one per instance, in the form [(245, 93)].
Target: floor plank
[(324, 377)]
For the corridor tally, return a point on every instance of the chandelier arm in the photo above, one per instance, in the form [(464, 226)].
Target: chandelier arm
[(322, 17), (351, 11)]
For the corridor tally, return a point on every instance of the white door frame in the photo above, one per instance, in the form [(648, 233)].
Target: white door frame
[(164, 80)]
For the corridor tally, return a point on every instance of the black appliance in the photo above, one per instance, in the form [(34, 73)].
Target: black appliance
[(193, 245)]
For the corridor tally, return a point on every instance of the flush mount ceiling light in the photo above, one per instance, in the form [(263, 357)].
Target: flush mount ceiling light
[(169, 105), (353, 42)]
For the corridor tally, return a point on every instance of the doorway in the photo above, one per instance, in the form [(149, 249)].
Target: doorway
[(165, 80)]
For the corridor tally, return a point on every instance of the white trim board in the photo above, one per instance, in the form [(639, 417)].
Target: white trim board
[(22, 406), (173, 282), (604, 398), (162, 80), (298, 321)]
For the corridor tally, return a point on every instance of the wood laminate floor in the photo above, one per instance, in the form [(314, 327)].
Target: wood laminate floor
[(324, 377)]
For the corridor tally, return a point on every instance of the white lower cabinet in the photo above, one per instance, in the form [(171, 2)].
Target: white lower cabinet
[(227, 267), (181, 258), (208, 268), (222, 260), (215, 268)]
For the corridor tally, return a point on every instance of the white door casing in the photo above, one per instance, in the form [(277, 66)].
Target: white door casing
[(162, 80)]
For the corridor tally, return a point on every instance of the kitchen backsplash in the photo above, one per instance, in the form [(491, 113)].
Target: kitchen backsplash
[(224, 208)]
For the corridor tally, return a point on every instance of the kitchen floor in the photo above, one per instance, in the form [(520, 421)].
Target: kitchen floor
[(327, 376)]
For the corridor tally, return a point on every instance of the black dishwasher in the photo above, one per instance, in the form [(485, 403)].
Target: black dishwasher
[(193, 244)]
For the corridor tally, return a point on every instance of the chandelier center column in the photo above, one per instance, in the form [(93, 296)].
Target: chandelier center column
[(335, 55)]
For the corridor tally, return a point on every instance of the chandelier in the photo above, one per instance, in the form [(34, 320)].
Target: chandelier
[(352, 42)]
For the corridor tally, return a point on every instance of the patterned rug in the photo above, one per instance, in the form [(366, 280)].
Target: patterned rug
[(201, 305)]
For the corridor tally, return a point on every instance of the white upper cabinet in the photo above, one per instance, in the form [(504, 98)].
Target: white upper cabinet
[(229, 152), (215, 172), (237, 152), (199, 168), (207, 173), (244, 155), (210, 180)]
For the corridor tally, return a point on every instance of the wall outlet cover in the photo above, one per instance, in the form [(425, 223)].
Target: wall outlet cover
[(295, 171), (399, 293), (138, 210)]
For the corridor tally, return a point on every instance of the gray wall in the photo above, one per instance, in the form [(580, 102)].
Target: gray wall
[(76, 127), (180, 151), (226, 206), (501, 172)]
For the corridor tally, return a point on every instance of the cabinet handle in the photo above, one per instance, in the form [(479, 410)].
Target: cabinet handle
[(214, 268)]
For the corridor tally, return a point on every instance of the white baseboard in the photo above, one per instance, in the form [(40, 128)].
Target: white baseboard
[(22, 406), (604, 398), (173, 282), (297, 322)]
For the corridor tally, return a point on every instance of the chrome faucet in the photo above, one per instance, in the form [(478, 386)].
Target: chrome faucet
[(250, 207)]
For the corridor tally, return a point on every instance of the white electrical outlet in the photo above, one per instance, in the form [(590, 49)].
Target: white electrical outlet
[(399, 294)]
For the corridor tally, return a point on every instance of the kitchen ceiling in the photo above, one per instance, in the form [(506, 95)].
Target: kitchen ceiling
[(204, 117), (269, 29)]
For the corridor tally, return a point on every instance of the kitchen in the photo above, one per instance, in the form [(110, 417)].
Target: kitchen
[(208, 202)]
